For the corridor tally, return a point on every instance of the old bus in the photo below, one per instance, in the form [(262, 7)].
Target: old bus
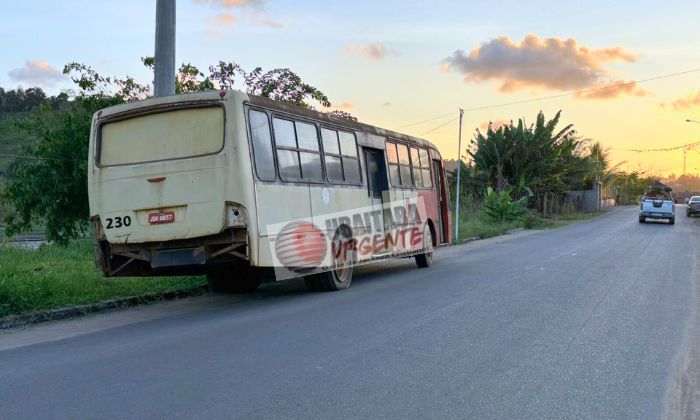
[(245, 189)]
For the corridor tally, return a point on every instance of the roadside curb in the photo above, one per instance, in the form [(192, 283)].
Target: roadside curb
[(16, 321)]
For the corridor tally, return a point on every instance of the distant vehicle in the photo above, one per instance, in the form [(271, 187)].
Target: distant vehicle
[(693, 206), (657, 204), (686, 200), (245, 189)]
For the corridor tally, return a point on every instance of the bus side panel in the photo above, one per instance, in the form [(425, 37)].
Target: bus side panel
[(277, 205)]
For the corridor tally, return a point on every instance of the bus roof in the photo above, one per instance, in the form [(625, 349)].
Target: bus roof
[(285, 107), (324, 117)]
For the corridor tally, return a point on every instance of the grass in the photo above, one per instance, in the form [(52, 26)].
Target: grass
[(558, 220), (54, 277), (474, 224)]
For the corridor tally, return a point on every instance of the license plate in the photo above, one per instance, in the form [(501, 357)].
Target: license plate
[(161, 217)]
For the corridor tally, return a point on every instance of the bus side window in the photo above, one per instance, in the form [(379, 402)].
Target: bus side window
[(340, 153), (262, 145), (351, 162), (404, 165), (415, 164), (393, 164), (425, 168), (298, 153)]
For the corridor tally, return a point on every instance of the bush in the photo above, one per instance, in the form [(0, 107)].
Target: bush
[(500, 207)]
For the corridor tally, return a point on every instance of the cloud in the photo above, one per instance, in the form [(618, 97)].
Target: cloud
[(613, 90), (386, 104), (495, 124), (266, 20), (371, 51), (345, 105), (550, 63), (254, 9), (685, 103), (37, 72), (225, 19)]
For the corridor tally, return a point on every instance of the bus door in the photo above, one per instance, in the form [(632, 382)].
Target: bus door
[(441, 199), (377, 186)]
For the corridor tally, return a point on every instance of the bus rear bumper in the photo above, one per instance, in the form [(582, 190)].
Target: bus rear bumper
[(173, 258)]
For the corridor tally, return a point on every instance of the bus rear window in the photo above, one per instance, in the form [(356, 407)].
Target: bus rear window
[(167, 135)]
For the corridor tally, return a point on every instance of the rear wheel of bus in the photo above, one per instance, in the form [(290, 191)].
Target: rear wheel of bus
[(426, 259), (341, 276), (228, 279)]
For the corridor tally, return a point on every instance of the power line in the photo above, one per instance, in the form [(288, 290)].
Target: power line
[(439, 126), (35, 157), (428, 120), (662, 149)]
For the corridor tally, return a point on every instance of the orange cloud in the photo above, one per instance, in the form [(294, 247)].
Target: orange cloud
[(226, 19), (371, 51), (37, 72), (550, 63), (346, 105), (495, 124), (613, 90), (689, 101)]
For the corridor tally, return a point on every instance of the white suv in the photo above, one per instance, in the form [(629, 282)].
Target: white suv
[(658, 206)]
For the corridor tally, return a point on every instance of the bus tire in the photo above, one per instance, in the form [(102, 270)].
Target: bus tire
[(222, 280), (340, 277), (425, 259), (329, 281)]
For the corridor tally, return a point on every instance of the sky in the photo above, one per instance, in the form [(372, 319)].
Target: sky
[(395, 64)]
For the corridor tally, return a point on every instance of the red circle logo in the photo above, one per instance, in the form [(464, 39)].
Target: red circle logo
[(301, 246)]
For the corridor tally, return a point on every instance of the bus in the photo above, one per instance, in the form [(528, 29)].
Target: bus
[(244, 190)]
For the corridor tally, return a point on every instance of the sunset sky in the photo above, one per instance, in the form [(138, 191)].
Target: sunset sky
[(393, 63)]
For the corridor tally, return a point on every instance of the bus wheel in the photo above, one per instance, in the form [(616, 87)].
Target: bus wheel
[(341, 276), (223, 280), (426, 259)]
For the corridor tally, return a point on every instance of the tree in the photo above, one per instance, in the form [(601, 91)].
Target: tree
[(537, 161), (277, 84), (50, 186)]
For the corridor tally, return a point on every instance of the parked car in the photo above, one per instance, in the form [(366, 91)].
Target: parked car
[(657, 205), (693, 206)]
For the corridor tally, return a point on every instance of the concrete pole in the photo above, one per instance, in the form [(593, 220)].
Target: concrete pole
[(164, 78), (459, 170)]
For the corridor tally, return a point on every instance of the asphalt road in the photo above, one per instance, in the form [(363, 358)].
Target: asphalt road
[(584, 321)]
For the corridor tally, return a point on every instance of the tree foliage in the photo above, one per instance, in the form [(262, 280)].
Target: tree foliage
[(541, 162), (49, 185), (277, 84), (500, 207), (535, 161)]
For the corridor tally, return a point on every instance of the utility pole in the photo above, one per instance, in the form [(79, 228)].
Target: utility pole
[(164, 77), (459, 169), (685, 152)]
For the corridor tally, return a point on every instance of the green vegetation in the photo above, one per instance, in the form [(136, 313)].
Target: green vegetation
[(56, 276), (500, 207), (478, 225), (519, 176), (475, 223)]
